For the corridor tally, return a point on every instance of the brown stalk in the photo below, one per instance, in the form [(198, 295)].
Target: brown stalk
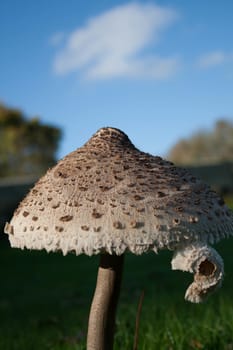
[(137, 322), (101, 325)]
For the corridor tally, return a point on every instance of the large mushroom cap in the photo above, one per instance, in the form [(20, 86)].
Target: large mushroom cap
[(108, 196)]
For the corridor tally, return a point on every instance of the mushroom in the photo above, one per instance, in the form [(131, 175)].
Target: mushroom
[(108, 197)]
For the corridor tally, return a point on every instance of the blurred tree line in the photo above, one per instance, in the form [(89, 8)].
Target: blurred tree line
[(205, 147), (27, 146)]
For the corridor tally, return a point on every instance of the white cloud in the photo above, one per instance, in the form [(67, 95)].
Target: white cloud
[(213, 59), (112, 44)]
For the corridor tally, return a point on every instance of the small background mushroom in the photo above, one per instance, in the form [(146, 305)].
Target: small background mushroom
[(108, 197)]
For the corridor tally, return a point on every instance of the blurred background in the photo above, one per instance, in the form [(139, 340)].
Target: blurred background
[(161, 71)]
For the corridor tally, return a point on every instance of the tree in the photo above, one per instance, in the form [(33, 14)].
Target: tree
[(205, 147), (27, 146)]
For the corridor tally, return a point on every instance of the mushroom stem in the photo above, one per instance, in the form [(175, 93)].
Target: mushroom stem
[(103, 309)]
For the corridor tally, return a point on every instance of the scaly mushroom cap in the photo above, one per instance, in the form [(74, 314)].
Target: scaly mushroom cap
[(107, 196)]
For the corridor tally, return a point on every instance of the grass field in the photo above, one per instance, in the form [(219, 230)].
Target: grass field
[(45, 300)]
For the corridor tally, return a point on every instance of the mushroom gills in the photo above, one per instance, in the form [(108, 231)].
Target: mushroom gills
[(206, 265)]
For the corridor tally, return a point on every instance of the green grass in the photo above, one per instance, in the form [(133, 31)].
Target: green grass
[(45, 300)]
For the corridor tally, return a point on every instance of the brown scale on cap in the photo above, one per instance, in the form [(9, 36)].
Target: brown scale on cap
[(111, 182), (66, 218), (59, 228), (96, 214)]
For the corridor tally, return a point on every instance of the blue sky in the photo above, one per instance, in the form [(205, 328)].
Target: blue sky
[(158, 70)]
